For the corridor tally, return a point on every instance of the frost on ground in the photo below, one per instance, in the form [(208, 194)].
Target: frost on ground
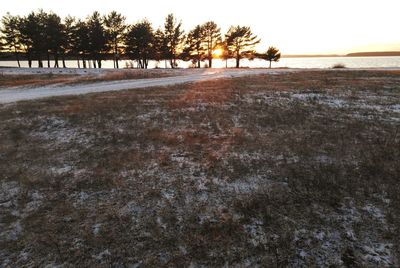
[(290, 170)]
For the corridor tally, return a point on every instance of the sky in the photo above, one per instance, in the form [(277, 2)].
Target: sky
[(293, 26)]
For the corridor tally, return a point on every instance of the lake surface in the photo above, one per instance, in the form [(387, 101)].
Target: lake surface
[(320, 62)]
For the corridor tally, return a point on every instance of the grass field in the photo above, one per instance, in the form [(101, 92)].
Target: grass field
[(10, 78), (291, 169)]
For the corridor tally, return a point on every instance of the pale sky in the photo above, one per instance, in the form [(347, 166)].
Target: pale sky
[(294, 26)]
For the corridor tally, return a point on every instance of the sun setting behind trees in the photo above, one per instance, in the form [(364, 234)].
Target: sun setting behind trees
[(41, 36)]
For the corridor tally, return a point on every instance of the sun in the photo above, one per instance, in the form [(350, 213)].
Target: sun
[(217, 52)]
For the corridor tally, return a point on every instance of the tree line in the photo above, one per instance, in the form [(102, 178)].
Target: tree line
[(43, 36)]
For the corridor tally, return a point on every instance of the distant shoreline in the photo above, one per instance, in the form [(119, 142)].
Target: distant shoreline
[(11, 57), (355, 54)]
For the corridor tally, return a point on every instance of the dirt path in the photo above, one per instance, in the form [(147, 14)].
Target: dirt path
[(14, 95)]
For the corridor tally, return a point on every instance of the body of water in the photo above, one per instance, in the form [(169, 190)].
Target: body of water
[(319, 62)]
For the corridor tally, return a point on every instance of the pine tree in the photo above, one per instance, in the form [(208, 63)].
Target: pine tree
[(54, 37), (241, 41), (97, 38), (115, 27), (11, 35), (140, 43), (194, 49), (271, 55), (212, 37), (173, 36), (160, 46)]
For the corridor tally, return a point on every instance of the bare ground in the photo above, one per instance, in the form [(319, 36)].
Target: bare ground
[(294, 169)]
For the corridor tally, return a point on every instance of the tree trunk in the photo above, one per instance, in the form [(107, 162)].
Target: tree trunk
[(79, 62), (48, 59), (116, 54), (237, 61), (94, 64), (270, 64), (40, 62), (56, 60), (17, 57), (63, 60), (29, 60), (210, 62), (99, 63), (84, 62)]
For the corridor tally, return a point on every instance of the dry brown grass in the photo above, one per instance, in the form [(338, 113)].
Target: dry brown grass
[(7, 81), (31, 80), (297, 169)]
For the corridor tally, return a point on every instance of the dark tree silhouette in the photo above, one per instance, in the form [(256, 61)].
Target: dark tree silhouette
[(11, 35), (194, 49), (115, 27), (68, 42), (140, 43), (226, 53), (173, 36), (241, 41), (212, 37), (42, 35), (32, 36), (160, 46), (271, 55), (97, 38), (80, 37), (54, 37)]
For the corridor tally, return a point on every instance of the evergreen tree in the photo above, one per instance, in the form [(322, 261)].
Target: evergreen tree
[(173, 36), (80, 37), (97, 38), (32, 37), (54, 37), (140, 43), (68, 42), (226, 53), (271, 55), (241, 41), (212, 37), (160, 46), (11, 35), (194, 49), (115, 27)]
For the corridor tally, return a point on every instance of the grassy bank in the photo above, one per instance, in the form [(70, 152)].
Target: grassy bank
[(275, 170), (63, 77)]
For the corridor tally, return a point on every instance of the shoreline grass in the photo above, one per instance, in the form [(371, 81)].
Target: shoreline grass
[(294, 169)]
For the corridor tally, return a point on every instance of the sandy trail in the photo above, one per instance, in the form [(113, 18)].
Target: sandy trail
[(14, 95)]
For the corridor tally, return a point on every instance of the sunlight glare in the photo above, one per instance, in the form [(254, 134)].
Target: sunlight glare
[(217, 52)]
